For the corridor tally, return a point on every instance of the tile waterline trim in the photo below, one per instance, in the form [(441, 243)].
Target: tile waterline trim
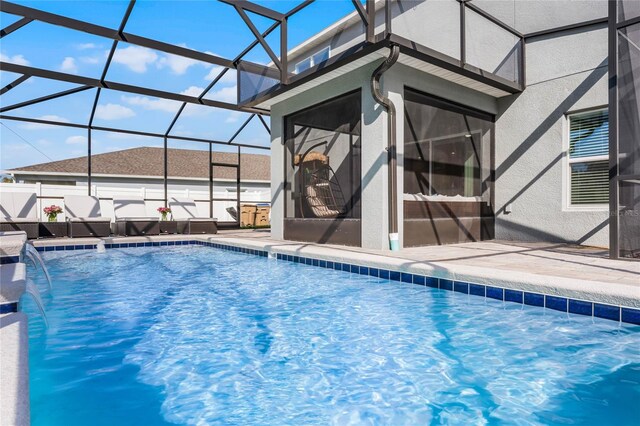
[(5, 260), (547, 301), (543, 300), (108, 246)]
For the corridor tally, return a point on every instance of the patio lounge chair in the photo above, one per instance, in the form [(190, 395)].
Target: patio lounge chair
[(18, 212), (84, 218), (185, 213), (132, 219)]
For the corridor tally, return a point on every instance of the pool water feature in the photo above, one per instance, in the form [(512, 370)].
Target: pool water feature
[(34, 256), (197, 335)]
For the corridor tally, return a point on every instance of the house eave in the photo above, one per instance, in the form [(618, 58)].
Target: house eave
[(412, 54)]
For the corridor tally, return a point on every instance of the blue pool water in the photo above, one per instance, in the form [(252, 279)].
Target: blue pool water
[(197, 335)]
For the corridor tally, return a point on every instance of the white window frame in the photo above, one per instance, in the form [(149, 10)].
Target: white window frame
[(568, 161), (310, 59)]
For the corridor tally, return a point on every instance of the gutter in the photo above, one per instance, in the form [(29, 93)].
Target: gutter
[(392, 158)]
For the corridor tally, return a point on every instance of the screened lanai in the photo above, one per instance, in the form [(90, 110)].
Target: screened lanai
[(109, 76)]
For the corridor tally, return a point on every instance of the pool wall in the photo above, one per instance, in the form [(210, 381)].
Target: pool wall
[(562, 294), (14, 369)]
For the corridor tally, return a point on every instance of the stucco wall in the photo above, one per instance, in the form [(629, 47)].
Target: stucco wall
[(434, 24), (529, 16), (564, 74), (374, 139)]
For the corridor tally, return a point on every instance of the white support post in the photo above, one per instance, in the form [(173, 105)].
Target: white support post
[(39, 201)]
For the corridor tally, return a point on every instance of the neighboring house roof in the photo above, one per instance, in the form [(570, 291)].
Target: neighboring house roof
[(148, 161)]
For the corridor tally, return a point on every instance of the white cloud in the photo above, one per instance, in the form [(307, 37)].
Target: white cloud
[(156, 104), (226, 94), (69, 65), (52, 117), (74, 140), (113, 112), (15, 59), (182, 130), (153, 104), (178, 64), (229, 77), (86, 46), (193, 91), (114, 135), (48, 117), (135, 58), (90, 60), (233, 117), (138, 59)]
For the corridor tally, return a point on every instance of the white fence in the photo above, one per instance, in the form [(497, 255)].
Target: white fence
[(53, 194)]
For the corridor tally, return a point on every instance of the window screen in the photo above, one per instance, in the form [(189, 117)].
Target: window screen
[(323, 160)]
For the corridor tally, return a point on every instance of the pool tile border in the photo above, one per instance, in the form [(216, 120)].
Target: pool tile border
[(557, 303), (6, 260), (109, 246), (8, 308)]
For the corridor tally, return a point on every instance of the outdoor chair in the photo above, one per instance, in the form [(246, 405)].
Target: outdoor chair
[(84, 217), (18, 212), (132, 218), (184, 211)]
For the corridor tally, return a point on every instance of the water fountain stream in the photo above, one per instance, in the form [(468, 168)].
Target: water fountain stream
[(33, 291), (33, 254)]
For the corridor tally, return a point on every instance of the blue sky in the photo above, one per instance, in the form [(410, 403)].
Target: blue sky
[(204, 25)]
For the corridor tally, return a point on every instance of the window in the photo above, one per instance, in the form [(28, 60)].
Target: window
[(589, 158), (321, 56), (303, 65), (312, 60)]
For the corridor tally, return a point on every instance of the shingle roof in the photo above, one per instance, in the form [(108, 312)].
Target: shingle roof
[(148, 161)]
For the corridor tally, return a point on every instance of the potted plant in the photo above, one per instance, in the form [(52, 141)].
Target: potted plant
[(164, 211), (52, 212)]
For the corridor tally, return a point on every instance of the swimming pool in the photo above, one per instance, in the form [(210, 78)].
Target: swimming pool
[(196, 335)]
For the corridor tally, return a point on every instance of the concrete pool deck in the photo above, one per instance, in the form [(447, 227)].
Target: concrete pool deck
[(575, 272)]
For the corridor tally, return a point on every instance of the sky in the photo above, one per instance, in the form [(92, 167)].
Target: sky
[(204, 25)]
